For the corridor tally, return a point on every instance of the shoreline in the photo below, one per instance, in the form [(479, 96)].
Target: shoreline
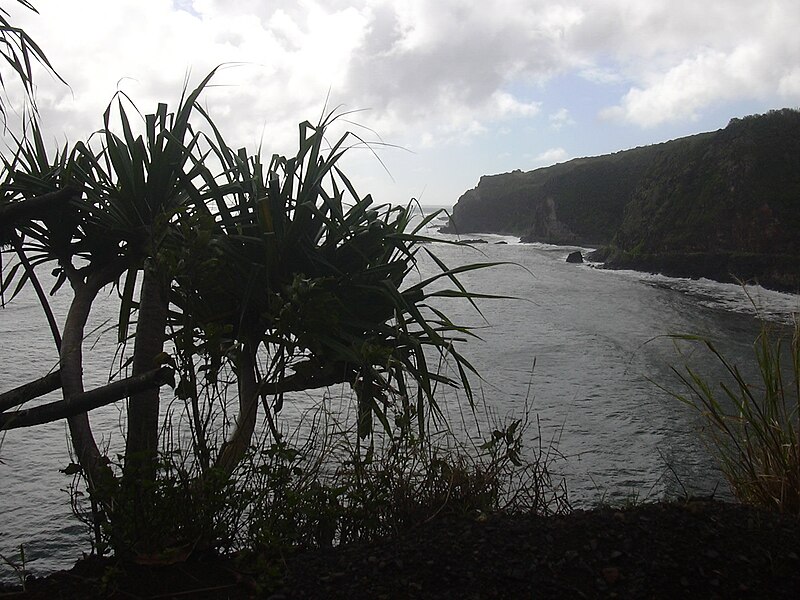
[(780, 273)]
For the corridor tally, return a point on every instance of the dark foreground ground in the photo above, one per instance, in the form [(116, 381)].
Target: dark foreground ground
[(697, 549)]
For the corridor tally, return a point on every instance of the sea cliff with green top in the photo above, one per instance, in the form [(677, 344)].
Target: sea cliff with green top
[(723, 205)]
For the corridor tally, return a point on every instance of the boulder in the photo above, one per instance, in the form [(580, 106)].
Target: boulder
[(575, 257), (600, 255)]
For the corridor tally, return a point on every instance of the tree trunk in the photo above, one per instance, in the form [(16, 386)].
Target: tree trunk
[(143, 407), (236, 447), (88, 454)]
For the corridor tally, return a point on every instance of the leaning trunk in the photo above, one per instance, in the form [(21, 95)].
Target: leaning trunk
[(71, 357), (236, 447)]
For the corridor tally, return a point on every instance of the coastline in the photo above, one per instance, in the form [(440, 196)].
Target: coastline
[(775, 272), (779, 272)]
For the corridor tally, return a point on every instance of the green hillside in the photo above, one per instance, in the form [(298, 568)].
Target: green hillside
[(580, 201), (723, 204)]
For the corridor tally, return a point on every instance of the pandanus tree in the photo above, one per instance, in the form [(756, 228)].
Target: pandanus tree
[(56, 232), (121, 207), (317, 286), (280, 271), (138, 190)]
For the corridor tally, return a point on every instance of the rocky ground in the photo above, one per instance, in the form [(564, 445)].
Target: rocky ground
[(698, 549)]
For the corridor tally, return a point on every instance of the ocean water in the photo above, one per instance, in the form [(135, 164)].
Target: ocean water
[(584, 351)]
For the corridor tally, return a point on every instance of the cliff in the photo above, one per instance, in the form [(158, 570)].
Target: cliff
[(724, 204), (578, 202)]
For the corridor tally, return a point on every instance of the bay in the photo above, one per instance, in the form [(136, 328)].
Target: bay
[(584, 351)]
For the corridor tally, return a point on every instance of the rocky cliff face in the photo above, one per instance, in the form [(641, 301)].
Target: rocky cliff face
[(737, 190), (717, 204), (578, 202)]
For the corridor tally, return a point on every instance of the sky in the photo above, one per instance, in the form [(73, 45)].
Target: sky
[(444, 91)]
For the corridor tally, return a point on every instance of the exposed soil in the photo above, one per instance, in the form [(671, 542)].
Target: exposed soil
[(699, 549)]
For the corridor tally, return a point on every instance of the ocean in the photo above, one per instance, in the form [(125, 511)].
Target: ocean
[(586, 352)]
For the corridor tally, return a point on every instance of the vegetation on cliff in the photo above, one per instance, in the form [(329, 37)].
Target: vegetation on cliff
[(719, 204), (580, 201)]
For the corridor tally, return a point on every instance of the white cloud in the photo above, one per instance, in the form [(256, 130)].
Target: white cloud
[(503, 105), (287, 63), (686, 57), (561, 118), (602, 75), (550, 156), (427, 66), (432, 74), (789, 86), (695, 83)]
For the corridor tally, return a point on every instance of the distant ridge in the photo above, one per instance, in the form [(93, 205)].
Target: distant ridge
[(724, 204)]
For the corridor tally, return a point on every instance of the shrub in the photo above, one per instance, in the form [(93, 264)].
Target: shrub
[(753, 427), (333, 488), (323, 485)]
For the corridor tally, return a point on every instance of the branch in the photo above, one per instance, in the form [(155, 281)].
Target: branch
[(85, 401), (29, 391), (35, 208), (299, 382)]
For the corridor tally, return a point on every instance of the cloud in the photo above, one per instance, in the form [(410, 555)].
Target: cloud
[(550, 156), (789, 86), (695, 83), (432, 75), (504, 105), (561, 118), (421, 68), (602, 75), (692, 56), (286, 61), (439, 65)]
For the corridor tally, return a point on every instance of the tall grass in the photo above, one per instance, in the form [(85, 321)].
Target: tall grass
[(332, 490), (753, 427), (320, 485)]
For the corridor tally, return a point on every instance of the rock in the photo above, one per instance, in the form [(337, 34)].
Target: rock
[(611, 575), (547, 227), (575, 257), (599, 255)]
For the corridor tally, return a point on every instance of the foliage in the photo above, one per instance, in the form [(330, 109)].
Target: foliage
[(318, 486), (249, 279), (754, 426), (19, 568), (19, 51), (588, 197), (257, 279), (732, 191)]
